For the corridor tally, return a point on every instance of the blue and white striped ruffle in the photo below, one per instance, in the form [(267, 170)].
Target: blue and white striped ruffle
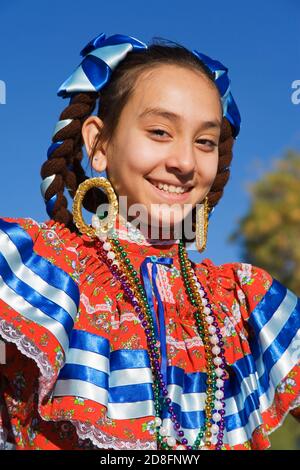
[(116, 379), (34, 287)]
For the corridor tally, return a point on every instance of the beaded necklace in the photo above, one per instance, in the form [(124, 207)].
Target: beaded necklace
[(114, 255)]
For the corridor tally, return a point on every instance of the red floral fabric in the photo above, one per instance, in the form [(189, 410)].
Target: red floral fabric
[(33, 419)]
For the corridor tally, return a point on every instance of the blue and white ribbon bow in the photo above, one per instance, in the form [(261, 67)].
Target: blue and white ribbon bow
[(102, 55)]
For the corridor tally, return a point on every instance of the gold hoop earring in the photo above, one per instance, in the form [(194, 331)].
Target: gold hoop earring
[(106, 224), (202, 225)]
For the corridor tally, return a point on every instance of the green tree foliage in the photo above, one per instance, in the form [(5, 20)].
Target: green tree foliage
[(269, 237)]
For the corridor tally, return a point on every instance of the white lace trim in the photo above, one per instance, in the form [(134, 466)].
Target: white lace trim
[(46, 382), (84, 430), (293, 405), (26, 347), (105, 441)]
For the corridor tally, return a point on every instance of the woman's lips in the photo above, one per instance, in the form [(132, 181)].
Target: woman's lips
[(170, 197)]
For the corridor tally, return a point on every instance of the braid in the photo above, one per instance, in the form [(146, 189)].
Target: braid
[(225, 157), (64, 162)]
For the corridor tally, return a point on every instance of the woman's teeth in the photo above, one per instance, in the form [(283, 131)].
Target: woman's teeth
[(169, 188)]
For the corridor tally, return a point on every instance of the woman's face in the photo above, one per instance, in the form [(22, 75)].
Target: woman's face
[(164, 153)]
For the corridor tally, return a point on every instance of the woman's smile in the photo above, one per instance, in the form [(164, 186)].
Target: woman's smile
[(168, 195)]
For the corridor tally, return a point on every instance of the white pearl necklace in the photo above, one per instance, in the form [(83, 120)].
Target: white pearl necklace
[(216, 350)]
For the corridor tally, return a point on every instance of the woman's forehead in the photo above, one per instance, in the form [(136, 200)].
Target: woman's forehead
[(173, 94), (164, 75)]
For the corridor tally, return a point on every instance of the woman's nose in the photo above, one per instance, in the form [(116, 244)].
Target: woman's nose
[(182, 158)]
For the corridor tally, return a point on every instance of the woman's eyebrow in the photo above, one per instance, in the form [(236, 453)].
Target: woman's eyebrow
[(175, 117)]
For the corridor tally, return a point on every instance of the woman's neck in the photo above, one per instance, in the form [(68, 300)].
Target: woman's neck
[(154, 234)]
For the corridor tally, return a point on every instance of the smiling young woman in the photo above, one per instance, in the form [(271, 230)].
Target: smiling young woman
[(114, 338), (183, 154)]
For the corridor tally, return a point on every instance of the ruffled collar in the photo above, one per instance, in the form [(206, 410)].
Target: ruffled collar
[(217, 278), (137, 243)]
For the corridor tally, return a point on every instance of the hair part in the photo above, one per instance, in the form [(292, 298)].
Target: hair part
[(65, 161)]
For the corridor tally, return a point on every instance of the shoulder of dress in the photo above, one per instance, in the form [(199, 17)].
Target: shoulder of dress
[(13, 225), (51, 240), (236, 275), (239, 285), (217, 276)]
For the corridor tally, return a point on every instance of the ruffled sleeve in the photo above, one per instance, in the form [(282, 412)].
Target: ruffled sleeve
[(60, 316), (260, 321), (39, 299), (39, 295), (273, 321)]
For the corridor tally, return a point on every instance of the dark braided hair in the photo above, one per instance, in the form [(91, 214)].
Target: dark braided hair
[(65, 161)]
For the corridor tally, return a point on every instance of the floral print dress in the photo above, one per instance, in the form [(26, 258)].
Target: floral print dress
[(76, 373)]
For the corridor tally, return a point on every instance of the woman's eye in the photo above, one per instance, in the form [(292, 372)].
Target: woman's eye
[(208, 142), (158, 132), (162, 133)]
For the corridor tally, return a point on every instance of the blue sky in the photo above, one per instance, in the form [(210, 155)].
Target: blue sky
[(40, 44)]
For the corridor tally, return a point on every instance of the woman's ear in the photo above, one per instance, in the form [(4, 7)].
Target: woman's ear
[(90, 130)]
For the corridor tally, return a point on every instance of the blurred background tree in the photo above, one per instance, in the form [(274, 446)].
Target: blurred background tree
[(269, 237)]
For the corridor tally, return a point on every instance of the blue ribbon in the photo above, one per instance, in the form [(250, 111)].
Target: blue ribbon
[(102, 55), (160, 331), (222, 81)]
